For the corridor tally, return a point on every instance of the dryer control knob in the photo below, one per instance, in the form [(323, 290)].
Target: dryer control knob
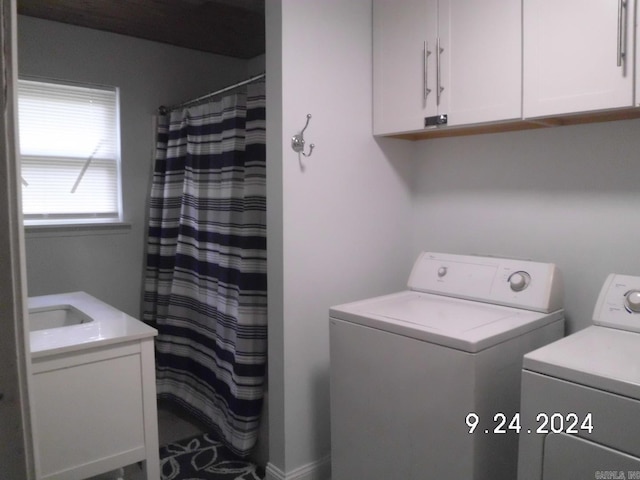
[(442, 271), (518, 281), (632, 301)]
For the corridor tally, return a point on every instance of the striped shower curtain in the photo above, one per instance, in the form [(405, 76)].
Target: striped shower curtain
[(205, 285)]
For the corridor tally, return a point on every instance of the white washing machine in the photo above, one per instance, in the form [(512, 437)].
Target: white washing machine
[(580, 405), (411, 371)]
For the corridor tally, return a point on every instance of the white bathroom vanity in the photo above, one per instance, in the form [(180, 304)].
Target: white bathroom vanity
[(94, 392)]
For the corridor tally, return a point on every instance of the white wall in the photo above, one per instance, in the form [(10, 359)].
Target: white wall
[(149, 74), (568, 195), (256, 65), (347, 222), (338, 220)]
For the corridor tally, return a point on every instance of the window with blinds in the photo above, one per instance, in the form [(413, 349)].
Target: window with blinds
[(70, 153)]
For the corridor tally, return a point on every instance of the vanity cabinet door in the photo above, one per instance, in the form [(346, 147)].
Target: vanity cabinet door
[(578, 56), (401, 79)]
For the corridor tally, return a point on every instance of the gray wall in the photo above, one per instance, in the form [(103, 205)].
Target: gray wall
[(338, 225), (568, 195), (347, 222), (109, 265), (338, 221)]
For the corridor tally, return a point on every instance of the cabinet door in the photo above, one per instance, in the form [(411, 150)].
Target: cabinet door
[(400, 30), (570, 56), (481, 61), (635, 51)]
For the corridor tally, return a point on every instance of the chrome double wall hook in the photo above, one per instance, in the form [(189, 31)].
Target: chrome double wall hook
[(297, 141)]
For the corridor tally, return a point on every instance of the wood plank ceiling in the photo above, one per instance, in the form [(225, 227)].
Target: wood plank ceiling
[(234, 28)]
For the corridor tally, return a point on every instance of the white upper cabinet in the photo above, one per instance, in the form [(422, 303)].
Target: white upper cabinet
[(473, 77), (481, 61), (578, 56), (401, 79)]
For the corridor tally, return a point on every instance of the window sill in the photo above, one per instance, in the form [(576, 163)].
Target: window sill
[(76, 229)]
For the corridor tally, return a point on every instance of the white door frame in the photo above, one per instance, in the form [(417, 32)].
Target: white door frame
[(16, 436)]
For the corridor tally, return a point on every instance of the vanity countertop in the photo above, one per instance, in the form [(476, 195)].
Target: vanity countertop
[(109, 326)]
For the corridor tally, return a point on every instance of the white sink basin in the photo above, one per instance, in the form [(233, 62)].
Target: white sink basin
[(56, 316)]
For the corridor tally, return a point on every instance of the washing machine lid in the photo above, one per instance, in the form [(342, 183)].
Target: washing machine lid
[(598, 357), (560, 451), (456, 323)]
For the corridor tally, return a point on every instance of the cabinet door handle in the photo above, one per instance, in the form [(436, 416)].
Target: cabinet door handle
[(425, 79), (622, 31), (439, 87)]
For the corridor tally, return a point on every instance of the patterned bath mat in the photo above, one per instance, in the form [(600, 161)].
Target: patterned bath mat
[(204, 458)]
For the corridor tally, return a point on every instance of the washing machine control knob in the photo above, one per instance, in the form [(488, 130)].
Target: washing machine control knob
[(518, 281), (442, 271), (632, 301)]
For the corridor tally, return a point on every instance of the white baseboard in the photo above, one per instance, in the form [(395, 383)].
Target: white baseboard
[(319, 470)]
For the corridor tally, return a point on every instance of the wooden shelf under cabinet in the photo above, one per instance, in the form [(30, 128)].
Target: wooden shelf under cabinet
[(516, 125)]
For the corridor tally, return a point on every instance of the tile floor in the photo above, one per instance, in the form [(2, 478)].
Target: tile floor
[(171, 428)]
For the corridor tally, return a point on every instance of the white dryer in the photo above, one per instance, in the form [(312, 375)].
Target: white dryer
[(580, 405), (412, 371)]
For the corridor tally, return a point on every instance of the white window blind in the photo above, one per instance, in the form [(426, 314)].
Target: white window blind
[(70, 153)]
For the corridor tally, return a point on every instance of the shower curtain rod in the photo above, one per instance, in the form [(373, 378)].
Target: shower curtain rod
[(164, 110)]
